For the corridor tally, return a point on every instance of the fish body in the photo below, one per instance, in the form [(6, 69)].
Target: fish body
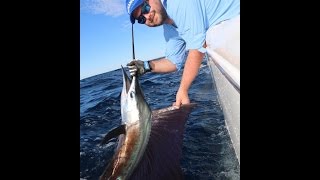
[(134, 133), (149, 142)]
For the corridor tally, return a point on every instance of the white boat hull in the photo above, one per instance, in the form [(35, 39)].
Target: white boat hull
[(229, 99), (224, 60)]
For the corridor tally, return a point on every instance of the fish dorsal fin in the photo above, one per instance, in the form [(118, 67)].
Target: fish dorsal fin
[(162, 157), (114, 133)]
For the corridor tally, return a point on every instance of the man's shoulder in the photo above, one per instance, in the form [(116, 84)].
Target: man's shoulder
[(170, 31)]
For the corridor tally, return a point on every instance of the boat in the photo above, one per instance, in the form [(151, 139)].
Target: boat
[(224, 61)]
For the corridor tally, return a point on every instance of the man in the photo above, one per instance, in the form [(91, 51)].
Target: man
[(185, 25)]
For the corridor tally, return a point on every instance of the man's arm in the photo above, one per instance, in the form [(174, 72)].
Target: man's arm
[(190, 72), (159, 65), (162, 65)]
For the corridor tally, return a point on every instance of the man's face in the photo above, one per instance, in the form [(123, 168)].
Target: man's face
[(155, 17)]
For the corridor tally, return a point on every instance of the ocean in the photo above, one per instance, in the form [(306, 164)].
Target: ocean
[(207, 151)]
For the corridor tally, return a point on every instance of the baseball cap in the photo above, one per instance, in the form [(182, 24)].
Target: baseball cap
[(131, 5)]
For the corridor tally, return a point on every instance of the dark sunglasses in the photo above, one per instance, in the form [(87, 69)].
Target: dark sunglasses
[(144, 10)]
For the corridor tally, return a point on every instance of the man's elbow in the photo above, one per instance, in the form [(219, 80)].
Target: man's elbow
[(174, 67)]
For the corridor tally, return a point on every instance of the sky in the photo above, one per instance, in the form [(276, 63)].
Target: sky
[(105, 38)]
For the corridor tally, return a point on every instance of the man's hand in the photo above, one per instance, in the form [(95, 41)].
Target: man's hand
[(181, 98), (138, 67)]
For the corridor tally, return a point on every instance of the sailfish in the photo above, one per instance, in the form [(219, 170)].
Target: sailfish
[(149, 142)]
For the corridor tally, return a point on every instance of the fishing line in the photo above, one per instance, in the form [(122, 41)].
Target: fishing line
[(133, 55)]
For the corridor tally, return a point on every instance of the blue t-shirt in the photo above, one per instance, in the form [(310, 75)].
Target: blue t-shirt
[(192, 19)]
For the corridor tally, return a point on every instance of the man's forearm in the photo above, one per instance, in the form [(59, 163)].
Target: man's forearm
[(162, 65), (191, 69)]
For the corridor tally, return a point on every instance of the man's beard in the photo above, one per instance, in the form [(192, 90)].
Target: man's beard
[(162, 16)]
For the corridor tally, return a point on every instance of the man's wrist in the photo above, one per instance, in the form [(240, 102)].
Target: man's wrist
[(147, 66)]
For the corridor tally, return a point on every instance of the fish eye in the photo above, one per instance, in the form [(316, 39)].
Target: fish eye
[(132, 94)]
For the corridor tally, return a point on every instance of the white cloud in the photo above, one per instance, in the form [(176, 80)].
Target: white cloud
[(107, 7), (126, 25)]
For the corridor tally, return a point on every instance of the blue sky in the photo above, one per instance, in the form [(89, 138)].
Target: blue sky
[(105, 37)]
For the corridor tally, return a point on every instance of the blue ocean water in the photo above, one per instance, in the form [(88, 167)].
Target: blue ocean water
[(207, 151)]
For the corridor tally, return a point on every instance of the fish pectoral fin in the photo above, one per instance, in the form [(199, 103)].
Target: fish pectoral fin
[(114, 133)]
